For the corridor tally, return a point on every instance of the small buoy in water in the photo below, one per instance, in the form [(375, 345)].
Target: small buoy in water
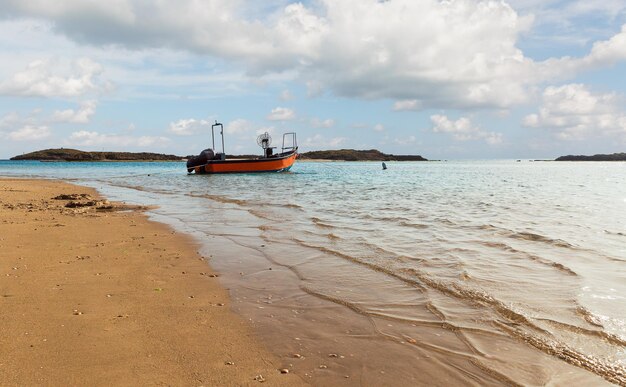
[(384, 166)]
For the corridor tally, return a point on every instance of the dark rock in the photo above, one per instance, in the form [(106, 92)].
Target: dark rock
[(72, 197)]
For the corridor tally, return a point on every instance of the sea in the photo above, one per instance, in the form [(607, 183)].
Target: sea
[(427, 273)]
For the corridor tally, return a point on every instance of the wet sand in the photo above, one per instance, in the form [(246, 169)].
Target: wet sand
[(92, 293)]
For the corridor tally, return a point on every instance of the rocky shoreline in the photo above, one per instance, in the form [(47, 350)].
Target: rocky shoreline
[(598, 157), (358, 155), (62, 154)]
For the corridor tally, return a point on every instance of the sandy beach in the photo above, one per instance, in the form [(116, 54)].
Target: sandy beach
[(93, 293)]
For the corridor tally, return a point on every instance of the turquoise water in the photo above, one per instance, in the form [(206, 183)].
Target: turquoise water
[(512, 265)]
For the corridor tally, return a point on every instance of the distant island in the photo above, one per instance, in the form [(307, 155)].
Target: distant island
[(62, 154), (358, 155), (611, 157)]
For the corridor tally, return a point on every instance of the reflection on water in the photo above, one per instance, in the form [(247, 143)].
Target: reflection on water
[(468, 272)]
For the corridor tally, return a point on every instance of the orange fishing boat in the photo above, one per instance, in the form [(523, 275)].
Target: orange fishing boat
[(209, 161)]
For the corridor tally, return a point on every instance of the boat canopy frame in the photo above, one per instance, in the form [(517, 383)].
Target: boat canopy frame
[(294, 142), (221, 133)]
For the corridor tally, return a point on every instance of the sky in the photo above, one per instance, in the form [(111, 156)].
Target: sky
[(445, 79)]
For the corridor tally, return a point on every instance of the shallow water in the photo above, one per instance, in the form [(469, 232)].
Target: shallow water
[(484, 272)]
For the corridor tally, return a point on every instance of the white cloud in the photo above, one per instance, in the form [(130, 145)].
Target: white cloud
[(80, 116), (407, 104), (149, 141), (379, 128), (281, 114), (29, 133), (87, 138), (188, 127), (318, 141), (463, 130), (608, 51), (239, 126), (577, 113), (318, 123), (461, 53), (405, 141), (47, 78), (9, 120), (567, 15), (493, 138)]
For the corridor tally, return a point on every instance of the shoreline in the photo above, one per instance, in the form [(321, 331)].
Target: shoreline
[(100, 295), (316, 313)]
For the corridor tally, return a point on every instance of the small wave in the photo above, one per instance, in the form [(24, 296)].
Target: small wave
[(473, 296), (614, 233), (589, 317), (259, 214), (534, 258), (281, 205), (386, 218), (434, 310), (290, 205), (564, 268), (134, 187), (445, 221), (611, 338), (372, 266), (457, 330), (613, 373), (529, 236), (319, 223), (220, 199), (414, 225), (514, 323)]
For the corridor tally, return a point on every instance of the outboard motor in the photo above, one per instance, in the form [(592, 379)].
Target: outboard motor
[(206, 155), (201, 159)]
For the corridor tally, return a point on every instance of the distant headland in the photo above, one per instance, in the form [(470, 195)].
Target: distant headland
[(358, 155), (63, 154), (611, 157)]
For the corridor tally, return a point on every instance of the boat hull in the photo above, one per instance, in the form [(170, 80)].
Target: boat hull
[(274, 164)]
